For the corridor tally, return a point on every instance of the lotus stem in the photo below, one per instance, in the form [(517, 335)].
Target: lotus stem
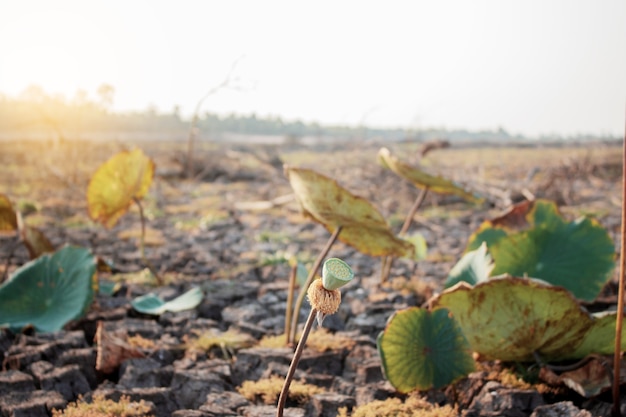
[(560, 368), (142, 245), (388, 260), (289, 307), (309, 280), (615, 411), (294, 362)]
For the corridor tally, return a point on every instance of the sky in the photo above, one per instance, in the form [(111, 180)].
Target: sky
[(532, 67)]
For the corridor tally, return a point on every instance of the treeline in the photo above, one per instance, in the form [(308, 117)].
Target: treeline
[(35, 111)]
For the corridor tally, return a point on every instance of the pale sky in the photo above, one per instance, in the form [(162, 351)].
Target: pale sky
[(530, 66)]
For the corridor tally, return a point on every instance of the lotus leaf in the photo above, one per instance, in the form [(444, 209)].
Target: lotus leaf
[(577, 255), (420, 245), (153, 304), (510, 318), (8, 218), (421, 179), (363, 227), (520, 217), (49, 291), (35, 241), (474, 267), (113, 187), (420, 349)]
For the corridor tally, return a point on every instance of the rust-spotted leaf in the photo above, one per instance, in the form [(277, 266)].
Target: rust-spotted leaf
[(8, 218), (512, 319), (421, 179), (126, 176), (363, 227)]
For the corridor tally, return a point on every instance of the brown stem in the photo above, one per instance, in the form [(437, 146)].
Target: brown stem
[(294, 363), (620, 299), (289, 307), (309, 280), (388, 261), (142, 245)]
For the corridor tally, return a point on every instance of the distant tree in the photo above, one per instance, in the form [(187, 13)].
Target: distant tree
[(106, 92)]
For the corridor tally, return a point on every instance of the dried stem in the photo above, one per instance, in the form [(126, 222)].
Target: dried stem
[(226, 83), (620, 299), (142, 244), (294, 363), (388, 260), (309, 280), (289, 307)]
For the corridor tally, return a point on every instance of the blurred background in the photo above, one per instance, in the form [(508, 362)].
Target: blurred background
[(311, 71)]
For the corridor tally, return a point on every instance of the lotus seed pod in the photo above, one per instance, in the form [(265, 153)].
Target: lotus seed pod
[(336, 273), (323, 300)]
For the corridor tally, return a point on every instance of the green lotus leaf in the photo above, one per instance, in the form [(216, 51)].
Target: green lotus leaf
[(509, 319), (420, 349), (363, 227), (474, 267), (533, 240), (421, 179), (154, 305), (49, 291), (520, 217), (600, 339), (113, 187), (579, 256), (8, 217)]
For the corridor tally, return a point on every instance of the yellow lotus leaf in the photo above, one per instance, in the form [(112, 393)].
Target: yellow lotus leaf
[(363, 227), (421, 179), (123, 178), (8, 219)]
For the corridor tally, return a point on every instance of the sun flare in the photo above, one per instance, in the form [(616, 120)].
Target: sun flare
[(62, 51)]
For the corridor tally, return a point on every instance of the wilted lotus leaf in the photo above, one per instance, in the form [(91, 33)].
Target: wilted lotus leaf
[(421, 179), (420, 349), (34, 240), (590, 379), (8, 218), (153, 304), (363, 227), (510, 318), (126, 176), (113, 349), (49, 291), (474, 267), (520, 217)]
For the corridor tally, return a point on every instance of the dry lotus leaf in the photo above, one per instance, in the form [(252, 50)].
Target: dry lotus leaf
[(113, 187), (589, 380), (113, 349), (8, 218), (363, 227), (34, 240), (421, 179)]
